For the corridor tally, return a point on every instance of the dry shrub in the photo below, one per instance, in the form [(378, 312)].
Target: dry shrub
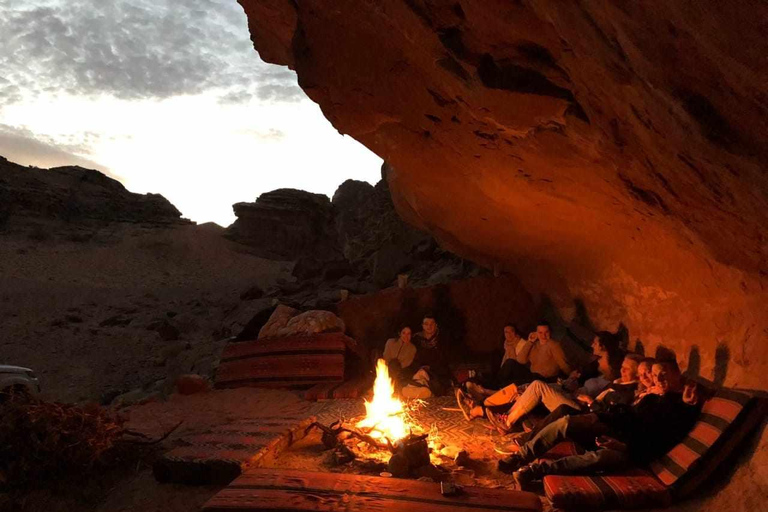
[(46, 441)]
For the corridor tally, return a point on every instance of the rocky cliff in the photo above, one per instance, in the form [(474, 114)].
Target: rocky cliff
[(355, 241), (608, 154), (71, 198)]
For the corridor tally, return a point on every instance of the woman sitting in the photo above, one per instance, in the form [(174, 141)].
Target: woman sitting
[(477, 399), (399, 354), (554, 396), (621, 391)]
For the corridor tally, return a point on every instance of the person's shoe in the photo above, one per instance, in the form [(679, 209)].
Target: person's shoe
[(507, 448), (528, 424), (511, 463), (463, 401), (525, 478), (498, 422), (522, 438)]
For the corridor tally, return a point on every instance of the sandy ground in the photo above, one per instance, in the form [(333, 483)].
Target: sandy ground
[(84, 315)]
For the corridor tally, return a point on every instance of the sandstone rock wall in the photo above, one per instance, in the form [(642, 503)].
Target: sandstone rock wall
[(471, 313), (609, 154)]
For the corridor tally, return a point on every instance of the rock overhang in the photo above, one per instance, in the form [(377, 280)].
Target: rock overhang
[(607, 154)]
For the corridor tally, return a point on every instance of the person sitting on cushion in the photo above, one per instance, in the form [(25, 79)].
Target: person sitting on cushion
[(644, 376), (602, 348), (620, 391), (637, 434), (432, 375), (399, 354), (541, 357), (553, 396), (513, 345)]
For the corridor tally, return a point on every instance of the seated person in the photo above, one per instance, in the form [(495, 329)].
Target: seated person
[(399, 354), (540, 358), (620, 391), (644, 376), (553, 396), (432, 375), (602, 348), (636, 434), (513, 345)]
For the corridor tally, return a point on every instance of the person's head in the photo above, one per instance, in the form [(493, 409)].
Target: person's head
[(511, 333), (429, 325), (645, 373), (543, 331), (405, 334), (607, 370), (604, 343), (666, 376), (629, 367)]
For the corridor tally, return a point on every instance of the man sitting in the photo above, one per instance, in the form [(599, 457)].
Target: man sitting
[(620, 392), (432, 375), (637, 434), (540, 357), (553, 396)]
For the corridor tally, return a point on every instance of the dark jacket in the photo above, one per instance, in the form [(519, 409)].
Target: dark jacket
[(654, 425), (431, 352)]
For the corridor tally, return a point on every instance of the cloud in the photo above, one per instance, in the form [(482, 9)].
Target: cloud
[(134, 49), (23, 147)]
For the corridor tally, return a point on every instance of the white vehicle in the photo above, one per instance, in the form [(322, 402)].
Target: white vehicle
[(16, 378)]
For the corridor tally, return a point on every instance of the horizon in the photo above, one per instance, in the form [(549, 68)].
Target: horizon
[(167, 101), (329, 196)]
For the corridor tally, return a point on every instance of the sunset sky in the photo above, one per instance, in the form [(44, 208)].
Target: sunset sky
[(166, 96)]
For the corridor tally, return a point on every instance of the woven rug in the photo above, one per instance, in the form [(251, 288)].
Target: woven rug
[(451, 425)]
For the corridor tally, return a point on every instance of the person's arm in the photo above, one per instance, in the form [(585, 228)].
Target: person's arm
[(524, 356), (559, 356), (389, 350)]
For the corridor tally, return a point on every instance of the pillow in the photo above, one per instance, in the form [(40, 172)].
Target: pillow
[(719, 428)]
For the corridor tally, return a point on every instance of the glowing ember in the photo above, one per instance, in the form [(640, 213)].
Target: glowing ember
[(385, 414)]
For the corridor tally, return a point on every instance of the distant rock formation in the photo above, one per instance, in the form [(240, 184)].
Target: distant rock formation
[(286, 224), (355, 241), (74, 197)]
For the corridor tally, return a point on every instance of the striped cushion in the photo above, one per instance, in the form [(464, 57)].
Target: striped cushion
[(716, 423), (294, 361), (632, 489)]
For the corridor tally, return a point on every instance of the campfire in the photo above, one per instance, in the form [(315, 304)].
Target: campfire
[(387, 436), (385, 415)]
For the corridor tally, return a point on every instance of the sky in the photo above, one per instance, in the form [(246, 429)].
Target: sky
[(167, 97)]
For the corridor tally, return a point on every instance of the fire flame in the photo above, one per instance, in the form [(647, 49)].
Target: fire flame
[(385, 414)]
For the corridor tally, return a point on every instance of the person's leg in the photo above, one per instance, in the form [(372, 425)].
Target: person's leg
[(582, 428), (525, 403), (601, 459), (504, 396), (478, 392), (553, 397), (516, 373), (559, 412)]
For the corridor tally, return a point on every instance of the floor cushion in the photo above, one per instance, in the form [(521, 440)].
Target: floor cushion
[(290, 362), (725, 420), (632, 489)]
